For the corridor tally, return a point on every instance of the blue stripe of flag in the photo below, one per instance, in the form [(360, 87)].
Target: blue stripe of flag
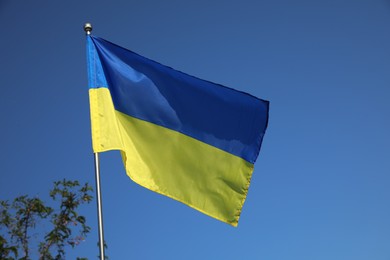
[(228, 119)]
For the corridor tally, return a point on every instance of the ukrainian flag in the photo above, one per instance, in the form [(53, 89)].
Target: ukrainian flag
[(189, 139)]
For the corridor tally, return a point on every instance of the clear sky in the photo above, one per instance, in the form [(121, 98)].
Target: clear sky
[(320, 189)]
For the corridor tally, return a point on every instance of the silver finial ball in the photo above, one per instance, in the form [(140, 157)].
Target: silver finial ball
[(88, 28)]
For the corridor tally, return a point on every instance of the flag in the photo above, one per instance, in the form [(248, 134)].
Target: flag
[(186, 138)]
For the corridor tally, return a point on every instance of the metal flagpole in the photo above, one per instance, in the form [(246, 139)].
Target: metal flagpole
[(88, 29), (99, 206)]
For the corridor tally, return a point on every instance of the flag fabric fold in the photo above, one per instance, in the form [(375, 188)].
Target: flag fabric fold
[(186, 138)]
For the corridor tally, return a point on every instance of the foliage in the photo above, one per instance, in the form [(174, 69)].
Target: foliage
[(19, 219)]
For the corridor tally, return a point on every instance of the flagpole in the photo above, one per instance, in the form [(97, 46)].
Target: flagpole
[(88, 29), (99, 206)]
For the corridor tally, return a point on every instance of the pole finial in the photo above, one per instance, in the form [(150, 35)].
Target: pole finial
[(88, 28)]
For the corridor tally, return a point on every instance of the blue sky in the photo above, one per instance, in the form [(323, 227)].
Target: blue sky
[(320, 189)]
